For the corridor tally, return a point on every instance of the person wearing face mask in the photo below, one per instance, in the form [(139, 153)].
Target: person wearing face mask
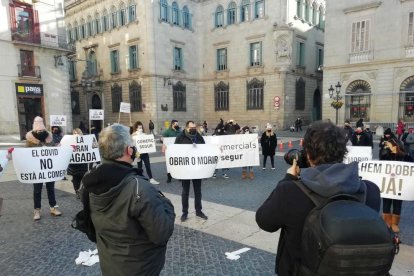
[(191, 136), (360, 138), (388, 135), (77, 171), (132, 219), (57, 135), (247, 171), (40, 137), (138, 129), (268, 143), (172, 131)]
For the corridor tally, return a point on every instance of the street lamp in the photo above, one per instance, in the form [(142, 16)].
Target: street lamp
[(336, 103)]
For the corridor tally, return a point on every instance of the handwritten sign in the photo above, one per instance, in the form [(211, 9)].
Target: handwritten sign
[(145, 143), (125, 107), (85, 147), (192, 161), (394, 178), (57, 120), (41, 164)]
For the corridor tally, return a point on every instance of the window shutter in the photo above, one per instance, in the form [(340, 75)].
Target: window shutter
[(367, 46)]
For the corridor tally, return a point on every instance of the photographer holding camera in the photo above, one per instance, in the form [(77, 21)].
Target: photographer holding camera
[(323, 174)]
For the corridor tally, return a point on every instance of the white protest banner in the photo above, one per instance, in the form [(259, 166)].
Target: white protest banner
[(57, 120), (96, 114), (240, 150), (125, 107), (41, 164), (145, 143), (85, 148), (394, 178), (358, 154), (168, 140), (3, 161), (195, 161)]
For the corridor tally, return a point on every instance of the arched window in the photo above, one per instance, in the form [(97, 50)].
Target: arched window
[(186, 18), (300, 94), (406, 104), (221, 96), (231, 13), (89, 29), (255, 94), (175, 14), (299, 8), (122, 15), (219, 17), (114, 18), (358, 100), (179, 97), (75, 31), (97, 24), (164, 10), (321, 22), (105, 21), (82, 28), (245, 11), (116, 95), (132, 11), (259, 9), (306, 11), (92, 64), (135, 97), (314, 14)]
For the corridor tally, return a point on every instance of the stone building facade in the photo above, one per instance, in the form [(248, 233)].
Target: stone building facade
[(33, 73), (373, 59), (253, 61)]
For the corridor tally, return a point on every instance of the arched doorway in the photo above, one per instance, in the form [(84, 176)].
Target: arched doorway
[(358, 101), (406, 103), (317, 105), (96, 104)]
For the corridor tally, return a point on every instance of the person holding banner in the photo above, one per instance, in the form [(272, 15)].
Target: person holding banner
[(40, 137), (77, 170), (269, 144), (394, 151), (247, 171), (138, 130), (133, 220), (191, 136), (172, 131)]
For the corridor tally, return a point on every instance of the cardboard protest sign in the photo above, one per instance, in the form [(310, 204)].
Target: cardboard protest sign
[(358, 154), (3, 161), (96, 115), (240, 150), (41, 164), (195, 161), (125, 107), (85, 148), (57, 120), (394, 178), (145, 143)]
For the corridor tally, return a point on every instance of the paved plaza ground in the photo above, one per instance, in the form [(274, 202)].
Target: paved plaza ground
[(50, 246)]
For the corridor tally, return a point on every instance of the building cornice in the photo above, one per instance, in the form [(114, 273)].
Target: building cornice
[(367, 64), (254, 37), (368, 6), (221, 43)]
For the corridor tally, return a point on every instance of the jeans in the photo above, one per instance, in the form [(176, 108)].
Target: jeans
[(272, 160), (197, 195), (76, 181), (145, 158), (249, 169), (37, 194), (396, 206)]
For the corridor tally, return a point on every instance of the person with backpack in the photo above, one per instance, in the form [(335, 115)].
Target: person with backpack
[(329, 220)]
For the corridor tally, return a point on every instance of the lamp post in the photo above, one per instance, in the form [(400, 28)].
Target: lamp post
[(336, 103)]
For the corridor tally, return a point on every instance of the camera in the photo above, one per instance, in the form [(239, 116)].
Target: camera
[(300, 157)]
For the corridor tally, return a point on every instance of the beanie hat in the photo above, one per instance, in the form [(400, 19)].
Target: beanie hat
[(268, 126), (388, 131), (38, 124)]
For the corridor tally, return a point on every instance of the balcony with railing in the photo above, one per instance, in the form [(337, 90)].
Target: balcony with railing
[(28, 71), (409, 51), (360, 57)]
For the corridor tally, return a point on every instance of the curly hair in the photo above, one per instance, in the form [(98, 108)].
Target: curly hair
[(325, 143)]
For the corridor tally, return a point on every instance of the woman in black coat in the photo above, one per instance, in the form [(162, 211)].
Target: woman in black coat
[(269, 144)]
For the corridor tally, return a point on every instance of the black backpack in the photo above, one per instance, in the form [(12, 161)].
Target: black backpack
[(343, 236)]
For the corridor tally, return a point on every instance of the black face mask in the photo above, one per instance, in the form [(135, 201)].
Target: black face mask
[(177, 127), (134, 153), (192, 131), (41, 135)]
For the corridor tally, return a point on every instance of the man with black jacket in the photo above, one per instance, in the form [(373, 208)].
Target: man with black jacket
[(191, 136), (287, 206), (132, 219)]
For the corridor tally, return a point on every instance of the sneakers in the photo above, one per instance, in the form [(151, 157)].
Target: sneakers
[(184, 217), (153, 181), (263, 168), (36, 214), (54, 211), (214, 176), (225, 175), (202, 216), (273, 169)]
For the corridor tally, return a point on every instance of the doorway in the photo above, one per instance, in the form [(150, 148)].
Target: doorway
[(317, 105), (28, 109)]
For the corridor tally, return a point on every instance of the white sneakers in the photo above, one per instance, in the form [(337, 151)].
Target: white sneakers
[(36, 214), (54, 211), (153, 181)]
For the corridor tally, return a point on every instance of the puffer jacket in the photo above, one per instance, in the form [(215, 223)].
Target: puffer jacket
[(32, 141), (132, 219)]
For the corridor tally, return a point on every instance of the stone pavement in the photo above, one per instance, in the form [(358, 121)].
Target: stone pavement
[(197, 247)]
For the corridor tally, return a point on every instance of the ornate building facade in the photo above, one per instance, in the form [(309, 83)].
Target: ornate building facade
[(254, 61)]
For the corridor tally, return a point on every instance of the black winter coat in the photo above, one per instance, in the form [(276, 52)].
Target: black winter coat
[(361, 139), (184, 138), (287, 207), (268, 143)]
